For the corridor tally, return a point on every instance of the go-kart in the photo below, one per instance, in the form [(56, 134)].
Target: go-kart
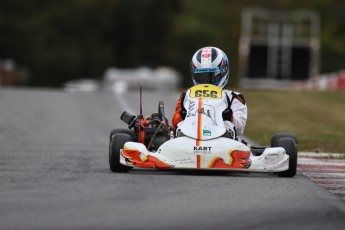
[(200, 143)]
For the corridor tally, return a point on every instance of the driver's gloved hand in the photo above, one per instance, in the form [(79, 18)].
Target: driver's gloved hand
[(227, 115), (183, 113)]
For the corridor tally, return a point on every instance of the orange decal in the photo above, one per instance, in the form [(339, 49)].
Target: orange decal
[(238, 159), (198, 161), (133, 158), (199, 131), (197, 142)]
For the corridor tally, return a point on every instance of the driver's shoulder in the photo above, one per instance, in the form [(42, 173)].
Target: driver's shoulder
[(231, 92), (235, 95)]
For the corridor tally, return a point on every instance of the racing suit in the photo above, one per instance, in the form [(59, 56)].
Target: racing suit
[(235, 116)]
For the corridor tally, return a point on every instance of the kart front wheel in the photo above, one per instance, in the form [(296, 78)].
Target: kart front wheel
[(289, 145), (117, 142)]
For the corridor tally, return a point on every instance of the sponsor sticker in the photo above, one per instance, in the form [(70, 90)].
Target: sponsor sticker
[(206, 132), (202, 149)]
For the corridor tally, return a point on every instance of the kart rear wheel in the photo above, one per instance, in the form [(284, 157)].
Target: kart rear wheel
[(117, 142), (277, 136), (121, 130), (289, 145)]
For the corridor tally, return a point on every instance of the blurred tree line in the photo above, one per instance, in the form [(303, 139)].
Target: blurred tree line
[(60, 40)]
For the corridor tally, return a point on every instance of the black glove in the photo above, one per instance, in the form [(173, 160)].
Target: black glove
[(183, 113), (227, 115)]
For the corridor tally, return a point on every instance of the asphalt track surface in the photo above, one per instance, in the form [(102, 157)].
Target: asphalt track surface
[(54, 174)]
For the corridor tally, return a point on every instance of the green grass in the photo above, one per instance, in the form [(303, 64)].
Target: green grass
[(317, 118)]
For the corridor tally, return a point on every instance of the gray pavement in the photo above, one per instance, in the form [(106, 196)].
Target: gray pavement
[(54, 174)]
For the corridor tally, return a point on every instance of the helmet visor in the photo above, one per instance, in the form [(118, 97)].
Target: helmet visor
[(207, 76)]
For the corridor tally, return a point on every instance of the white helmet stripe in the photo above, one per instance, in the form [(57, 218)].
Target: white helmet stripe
[(206, 58)]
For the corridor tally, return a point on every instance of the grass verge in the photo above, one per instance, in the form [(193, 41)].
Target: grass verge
[(317, 118)]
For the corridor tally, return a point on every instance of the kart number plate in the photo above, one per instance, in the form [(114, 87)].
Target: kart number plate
[(206, 91)]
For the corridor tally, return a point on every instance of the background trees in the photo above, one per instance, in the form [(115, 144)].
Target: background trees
[(64, 40)]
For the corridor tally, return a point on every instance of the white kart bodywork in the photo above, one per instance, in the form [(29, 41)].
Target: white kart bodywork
[(202, 145), (179, 152)]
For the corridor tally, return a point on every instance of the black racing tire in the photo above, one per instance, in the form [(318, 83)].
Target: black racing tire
[(121, 130), (290, 147), (117, 142), (277, 136)]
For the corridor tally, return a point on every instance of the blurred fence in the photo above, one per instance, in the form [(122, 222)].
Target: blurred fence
[(330, 81), (162, 78)]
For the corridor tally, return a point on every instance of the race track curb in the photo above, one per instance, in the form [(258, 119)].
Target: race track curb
[(325, 169)]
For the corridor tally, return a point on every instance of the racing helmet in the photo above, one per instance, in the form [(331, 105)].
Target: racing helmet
[(210, 65)]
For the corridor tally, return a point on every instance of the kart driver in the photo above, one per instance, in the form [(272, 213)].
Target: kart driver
[(210, 65)]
